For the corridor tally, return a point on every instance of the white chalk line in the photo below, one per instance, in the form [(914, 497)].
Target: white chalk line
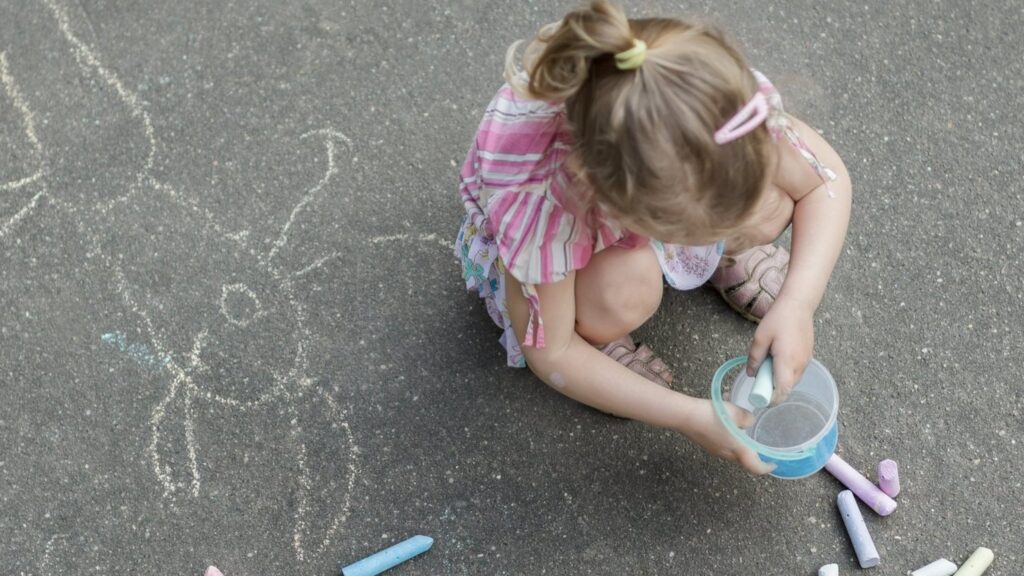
[(15, 95), (305, 483), (11, 89), (179, 380), (315, 265), (422, 238), (21, 214), (44, 564), (239, 289), (86, 57), (426, 238), (183, 387), (331, 135), (22, 182), (279, 389)]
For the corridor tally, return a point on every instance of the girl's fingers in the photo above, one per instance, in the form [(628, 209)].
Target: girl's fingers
[(758, 351), (749, 460), (786, 374), (784, 379), (742, 418)]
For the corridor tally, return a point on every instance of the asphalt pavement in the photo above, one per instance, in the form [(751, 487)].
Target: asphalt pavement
[(233, 330)]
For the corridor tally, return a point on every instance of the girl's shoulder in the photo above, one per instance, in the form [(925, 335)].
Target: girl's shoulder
[(516, 106), (515, 124), (521, 147)]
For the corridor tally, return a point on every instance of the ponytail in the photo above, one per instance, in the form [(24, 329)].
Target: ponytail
[(558, 60)]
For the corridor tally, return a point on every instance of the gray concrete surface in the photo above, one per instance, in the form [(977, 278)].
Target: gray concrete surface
[(233, 332)]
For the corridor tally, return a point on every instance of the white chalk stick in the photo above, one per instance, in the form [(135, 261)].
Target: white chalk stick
[(889, 478), (940, 567), (977, 563), (867, 555), (212, 571), (761, 393), (829, 570)]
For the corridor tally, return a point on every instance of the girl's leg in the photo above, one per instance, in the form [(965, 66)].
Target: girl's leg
[(616, 293)]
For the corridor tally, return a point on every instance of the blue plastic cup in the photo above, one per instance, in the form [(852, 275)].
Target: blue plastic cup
[(797, 435)]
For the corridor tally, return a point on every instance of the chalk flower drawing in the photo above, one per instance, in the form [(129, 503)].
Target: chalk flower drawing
[(258, 304)]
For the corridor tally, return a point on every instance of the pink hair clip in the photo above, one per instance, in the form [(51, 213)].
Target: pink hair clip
[(749, 117)]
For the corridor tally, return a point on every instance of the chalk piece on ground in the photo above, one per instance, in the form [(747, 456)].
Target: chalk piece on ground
[(889, 477), (212, 571), (389, 557), (829, 570), (874, 498), (977, 563), (761, 392), (940, 567), (867, 555)]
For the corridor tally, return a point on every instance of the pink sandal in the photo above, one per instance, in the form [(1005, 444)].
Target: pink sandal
[(640, 359), (751, 280)]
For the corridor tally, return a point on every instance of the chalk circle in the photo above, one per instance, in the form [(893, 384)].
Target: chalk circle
[(239, 304)]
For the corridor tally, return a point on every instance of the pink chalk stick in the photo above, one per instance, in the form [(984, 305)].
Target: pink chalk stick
[(889, 477), (874, 498), (212, 571)]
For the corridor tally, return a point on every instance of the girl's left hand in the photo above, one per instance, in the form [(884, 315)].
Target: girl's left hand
[(787, 333)]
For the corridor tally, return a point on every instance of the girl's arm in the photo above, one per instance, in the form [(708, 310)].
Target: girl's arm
[(819, 230), (819, 220), (574, 367)]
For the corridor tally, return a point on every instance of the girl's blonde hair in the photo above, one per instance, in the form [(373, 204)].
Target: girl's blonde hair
[(644, 138)]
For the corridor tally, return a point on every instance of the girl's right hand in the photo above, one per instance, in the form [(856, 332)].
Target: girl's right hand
[(704, 428)]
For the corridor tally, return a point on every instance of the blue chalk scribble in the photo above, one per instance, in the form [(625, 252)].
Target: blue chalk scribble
[(138, 352)]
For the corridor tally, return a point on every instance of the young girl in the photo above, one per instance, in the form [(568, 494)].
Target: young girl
[(629, 150)]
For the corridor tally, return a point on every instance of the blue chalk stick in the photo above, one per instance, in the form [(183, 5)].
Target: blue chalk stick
[(764, 384), (389, 557)]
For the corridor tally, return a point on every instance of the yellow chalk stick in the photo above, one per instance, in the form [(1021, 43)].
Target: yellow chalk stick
[(977, 563)]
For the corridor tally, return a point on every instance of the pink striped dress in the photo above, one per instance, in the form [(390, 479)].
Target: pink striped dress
[(518, 192)]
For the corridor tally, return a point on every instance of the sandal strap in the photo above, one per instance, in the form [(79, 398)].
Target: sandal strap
[(619, 349), (640, 359), (645, 354), (751, 285)]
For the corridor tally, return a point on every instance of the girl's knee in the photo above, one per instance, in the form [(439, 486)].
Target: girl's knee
[(622, 294), (639, 298)]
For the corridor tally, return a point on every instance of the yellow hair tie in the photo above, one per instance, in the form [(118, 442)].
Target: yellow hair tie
[(632, 59)]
